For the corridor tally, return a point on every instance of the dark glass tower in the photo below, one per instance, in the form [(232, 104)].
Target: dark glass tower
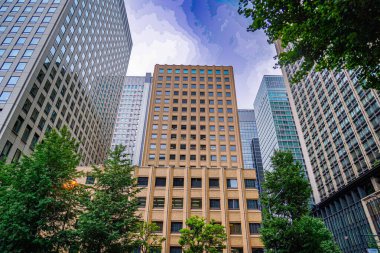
[(250, 142)]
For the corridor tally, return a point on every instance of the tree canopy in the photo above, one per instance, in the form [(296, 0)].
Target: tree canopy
[(288, 226), (109, 221), (147, 239), (35, 205), (331, 35), (200, 236)]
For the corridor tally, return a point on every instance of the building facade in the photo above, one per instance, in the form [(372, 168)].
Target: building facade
[(250, 142), (132, 116), (62, 63), (192, 162), (275, 124), (340, 124)]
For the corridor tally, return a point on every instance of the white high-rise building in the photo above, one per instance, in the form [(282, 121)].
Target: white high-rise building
[(131, 117)]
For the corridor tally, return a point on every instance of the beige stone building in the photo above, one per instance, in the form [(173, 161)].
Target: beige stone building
[(192, 162)]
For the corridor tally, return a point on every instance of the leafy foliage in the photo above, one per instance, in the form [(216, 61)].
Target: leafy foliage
[(35, 208), (109, 222), (331, 35), (147, 239), (202, 237), (287, 224)]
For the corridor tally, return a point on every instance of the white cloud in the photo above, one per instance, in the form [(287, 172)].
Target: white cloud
[(162, 35), (159, 39)]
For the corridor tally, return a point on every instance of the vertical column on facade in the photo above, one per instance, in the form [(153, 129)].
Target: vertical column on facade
[(223, 205), (150, 195), (205, 195), (168, 207), (243, 212), (375, 183)]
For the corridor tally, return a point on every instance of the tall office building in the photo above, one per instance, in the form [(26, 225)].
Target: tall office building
[(132, 116), (340, 123), (250, 142), (62, 62), (275, 123), (192, 162)]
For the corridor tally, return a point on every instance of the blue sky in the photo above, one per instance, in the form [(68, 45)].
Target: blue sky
[(199, 32)]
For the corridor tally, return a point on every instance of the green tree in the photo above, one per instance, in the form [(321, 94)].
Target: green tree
[(201, 236), (331, 35), (109, 222), (147, 239), (287, 224), (39, 199)]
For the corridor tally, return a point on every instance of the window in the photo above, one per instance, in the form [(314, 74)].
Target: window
[(233, 204), (214, 182), (18, 124), (177, 203), (34, 141), (235, 228), (6, 66), (178, 182), (141, 202), (90, 180), (26, 133), (160, 226), (196, 182), (12, 81), (250, 183), (142, 181), (196, 203), (213, 158), (13, 53), (7, 148), (232, 183), (252, 204), (175, 249), (4, 96), (175, 227), (160, 181), (158, 202), (237, 250), (21, 66), (7, 41), (215, 204), (16, 156), (254, 228)]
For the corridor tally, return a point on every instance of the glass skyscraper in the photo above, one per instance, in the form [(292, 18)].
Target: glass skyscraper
[(340, 123), (250, 142), (275, 123), (131, 117), (62, 63)]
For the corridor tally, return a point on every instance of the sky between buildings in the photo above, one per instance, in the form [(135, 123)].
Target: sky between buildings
[(199, 32)]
